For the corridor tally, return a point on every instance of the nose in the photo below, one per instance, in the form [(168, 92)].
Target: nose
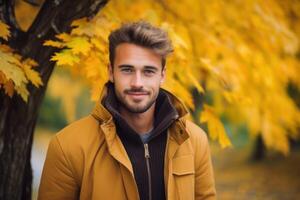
[(137, 81)]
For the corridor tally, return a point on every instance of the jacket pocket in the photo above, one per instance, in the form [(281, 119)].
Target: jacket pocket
[(184, 176)]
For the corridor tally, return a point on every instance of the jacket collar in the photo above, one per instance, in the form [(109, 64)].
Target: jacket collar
[(100, 112), (177, 130)]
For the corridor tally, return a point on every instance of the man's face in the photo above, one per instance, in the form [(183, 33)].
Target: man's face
[(137, 75)]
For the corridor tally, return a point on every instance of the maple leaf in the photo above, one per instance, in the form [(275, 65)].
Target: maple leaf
[(32, 76), (7, 56), (79, 45), (22, 91), (31, 62), (65, 57), (4, 31), (64, 37), (53, 44), (83, 27), (9, 66)]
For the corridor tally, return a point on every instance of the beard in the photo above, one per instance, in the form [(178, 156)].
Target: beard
[(135, 108)]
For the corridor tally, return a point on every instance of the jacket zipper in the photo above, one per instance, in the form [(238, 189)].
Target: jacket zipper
[(147, 156)]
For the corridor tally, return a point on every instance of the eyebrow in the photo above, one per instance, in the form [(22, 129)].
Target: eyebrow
[(151, 68), (127, 66), (146, 67)]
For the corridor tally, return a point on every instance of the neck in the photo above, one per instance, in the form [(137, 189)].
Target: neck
[(140, 122)]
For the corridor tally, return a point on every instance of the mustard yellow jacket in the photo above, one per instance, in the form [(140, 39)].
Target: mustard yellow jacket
[(87, 161)]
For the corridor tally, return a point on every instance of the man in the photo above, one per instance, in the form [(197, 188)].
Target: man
[(136, 144)]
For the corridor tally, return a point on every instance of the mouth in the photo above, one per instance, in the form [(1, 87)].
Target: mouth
[(137, 96), (137, 93)]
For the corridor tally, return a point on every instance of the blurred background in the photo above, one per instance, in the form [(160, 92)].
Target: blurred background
[(236, 65)]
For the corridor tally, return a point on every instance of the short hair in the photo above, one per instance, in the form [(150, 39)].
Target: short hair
[(143, 34)]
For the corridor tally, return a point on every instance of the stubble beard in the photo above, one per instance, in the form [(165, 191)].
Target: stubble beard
[(135, 109)]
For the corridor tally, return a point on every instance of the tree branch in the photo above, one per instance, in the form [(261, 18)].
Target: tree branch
[(32, 2), (7, 15)]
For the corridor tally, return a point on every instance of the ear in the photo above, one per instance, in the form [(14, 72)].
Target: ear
[(110, 71), (163, 75)]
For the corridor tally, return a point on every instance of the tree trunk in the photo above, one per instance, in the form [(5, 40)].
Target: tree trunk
[(18, 118), (259, 150)]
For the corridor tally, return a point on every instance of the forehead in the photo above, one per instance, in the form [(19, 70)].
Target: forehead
[(138, 56)]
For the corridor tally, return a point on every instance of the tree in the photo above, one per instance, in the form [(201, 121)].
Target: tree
[(17, 117), (242, 62)]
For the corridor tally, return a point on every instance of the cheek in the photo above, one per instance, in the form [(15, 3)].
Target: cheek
[(155, 85), (118, 84), (121, 84), (117, 78)]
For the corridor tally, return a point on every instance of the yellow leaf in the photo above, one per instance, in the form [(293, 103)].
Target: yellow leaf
[(53, 44), (9, 88), (65, 57), (83, 27), (31, 62), (79, 22), (4, 31), (79, 45), (7, 56), (3, 78), (216, 129), (33, 76), (9, 68), (99, 45), (64, 37), (22, 90)]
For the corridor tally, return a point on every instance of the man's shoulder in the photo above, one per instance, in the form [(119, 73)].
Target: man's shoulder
[(196, 133), (79, 128), (194, 130), (79, 133), (75, 144)]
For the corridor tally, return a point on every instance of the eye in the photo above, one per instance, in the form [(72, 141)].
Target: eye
[(127, 70), (149, 72)]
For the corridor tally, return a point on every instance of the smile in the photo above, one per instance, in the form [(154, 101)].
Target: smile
[(137, 93), (137, 96)]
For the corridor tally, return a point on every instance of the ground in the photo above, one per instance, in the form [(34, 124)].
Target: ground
[(237, 177)]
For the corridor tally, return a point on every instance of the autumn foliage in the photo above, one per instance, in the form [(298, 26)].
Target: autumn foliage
[(240, 55), (15, 72)]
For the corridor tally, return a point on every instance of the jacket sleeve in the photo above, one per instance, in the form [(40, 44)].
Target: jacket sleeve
[(57, 181), (204, 177)]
